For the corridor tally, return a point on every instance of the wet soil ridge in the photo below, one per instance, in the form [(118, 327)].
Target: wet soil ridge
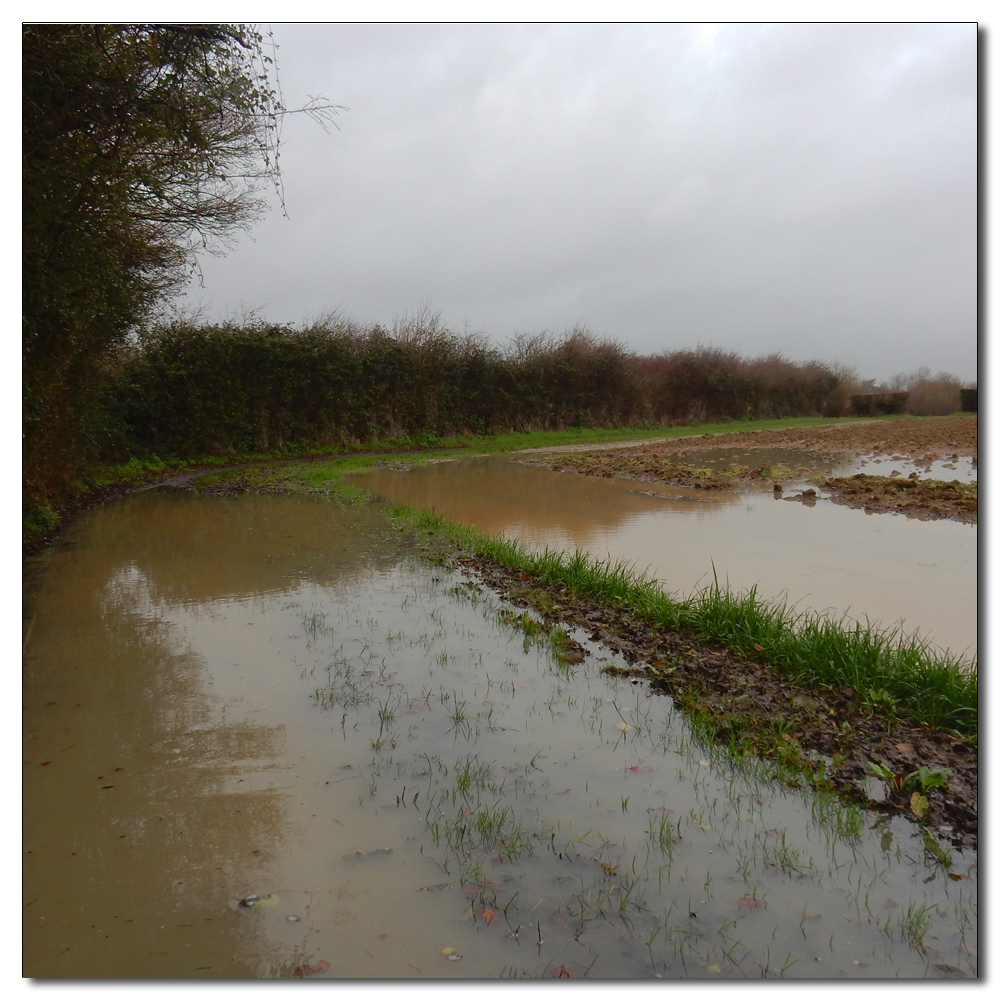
[(831, 738), (922, 441), (921, 498)]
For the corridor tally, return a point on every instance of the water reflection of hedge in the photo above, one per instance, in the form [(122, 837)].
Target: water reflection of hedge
[(189, 389)]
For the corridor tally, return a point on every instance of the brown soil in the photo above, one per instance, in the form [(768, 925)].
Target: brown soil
[(923, 439), (920, 440), (920, 498), (826, 735)]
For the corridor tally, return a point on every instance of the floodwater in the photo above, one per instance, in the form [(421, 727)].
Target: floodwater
[(261, 740), (822, 556)]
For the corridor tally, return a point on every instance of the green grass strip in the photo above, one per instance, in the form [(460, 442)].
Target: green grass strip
[(895, 673)]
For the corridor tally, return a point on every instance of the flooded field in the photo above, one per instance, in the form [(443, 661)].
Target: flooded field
[(884, 567), (263, 740)]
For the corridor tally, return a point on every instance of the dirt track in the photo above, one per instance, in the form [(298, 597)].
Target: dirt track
[(923, 439)]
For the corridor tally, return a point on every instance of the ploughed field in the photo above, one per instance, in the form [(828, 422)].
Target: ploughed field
[(932, 446)]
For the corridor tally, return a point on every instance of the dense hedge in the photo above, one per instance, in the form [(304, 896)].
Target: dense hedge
[(184, 390)]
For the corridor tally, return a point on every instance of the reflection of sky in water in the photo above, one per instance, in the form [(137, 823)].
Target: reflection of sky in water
[(887, 567)]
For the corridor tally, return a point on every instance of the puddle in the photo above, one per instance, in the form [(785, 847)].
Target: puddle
[(885, 567), (258, 700)]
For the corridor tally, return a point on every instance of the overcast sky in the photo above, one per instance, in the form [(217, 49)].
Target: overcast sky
[(809, 189)]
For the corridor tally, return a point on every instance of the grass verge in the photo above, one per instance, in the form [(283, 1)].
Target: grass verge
[(896, 673)]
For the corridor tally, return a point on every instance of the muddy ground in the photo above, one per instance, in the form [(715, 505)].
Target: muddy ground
[(921, 498), (827, 735), (919, 440), (740, 700)]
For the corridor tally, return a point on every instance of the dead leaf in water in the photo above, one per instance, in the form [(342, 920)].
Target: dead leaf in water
[(748, 901), (949, 969), (564, 973), (956, 878), (382, 937), (772, 833), (891, 904), (489, 916), (313, 970)]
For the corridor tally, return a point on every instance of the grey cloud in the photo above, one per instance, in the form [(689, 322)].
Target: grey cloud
[(804, 188)]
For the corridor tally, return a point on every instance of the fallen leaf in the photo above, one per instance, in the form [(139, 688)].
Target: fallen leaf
[(788, 738), (715, 968), (623, 727), (313, 970), (956, 878), (772, 833), (448, 950), (748, 901), (948, 968), (904, 747), (488, 916), (758, 647), (703, 763), (382, 937), (806, 915), (891, 904), (635, 769), (564, 973), (705, 826)]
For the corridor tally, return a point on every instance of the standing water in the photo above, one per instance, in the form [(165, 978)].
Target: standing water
[(262, 740), (877, 567)]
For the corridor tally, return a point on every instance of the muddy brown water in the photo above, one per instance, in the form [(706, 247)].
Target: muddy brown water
[(873, 567), (264, 700)]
